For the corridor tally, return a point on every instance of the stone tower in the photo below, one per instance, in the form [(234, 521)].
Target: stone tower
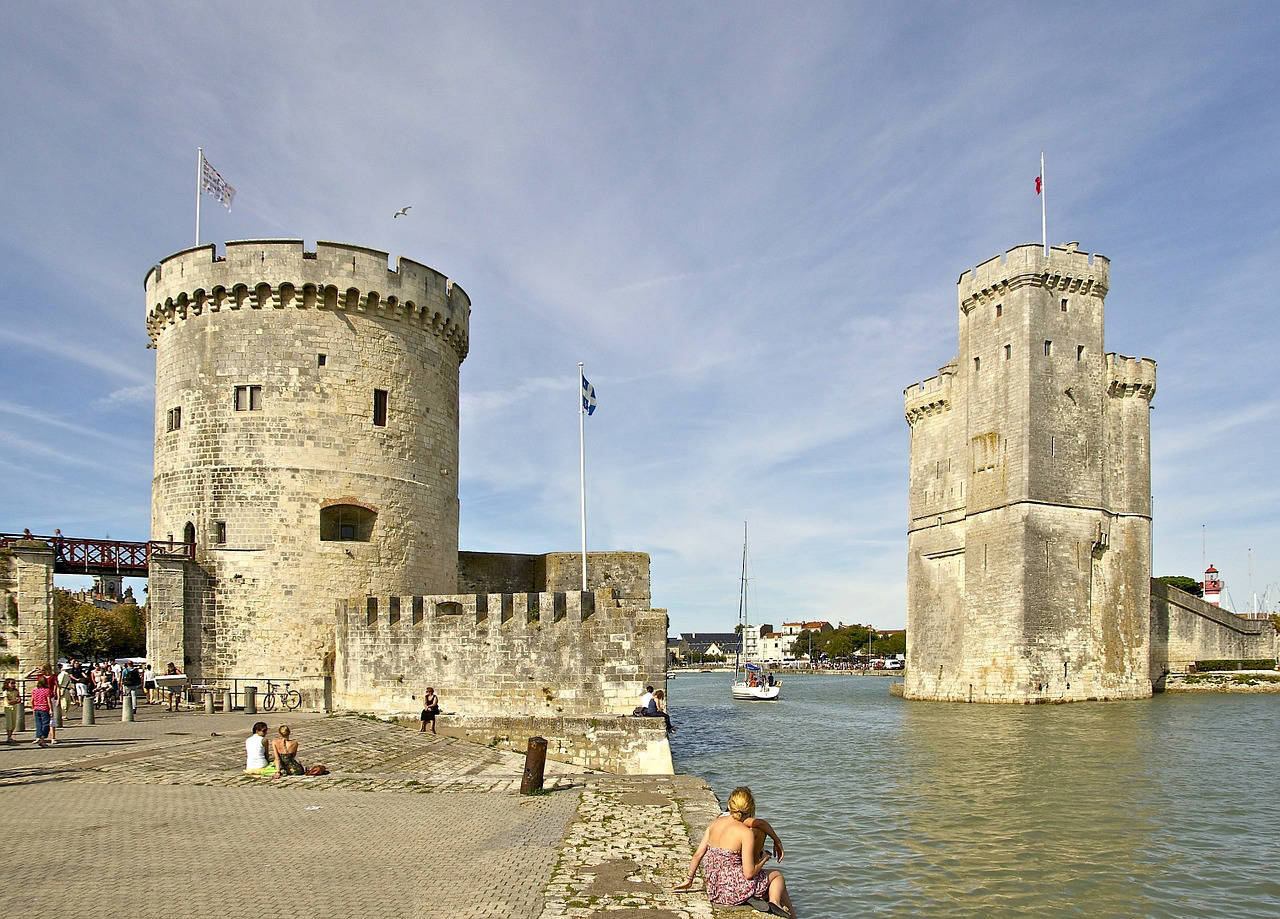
[(1029, 561), (306, 442)]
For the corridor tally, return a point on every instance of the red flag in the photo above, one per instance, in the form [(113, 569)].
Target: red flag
[(1039, 181)]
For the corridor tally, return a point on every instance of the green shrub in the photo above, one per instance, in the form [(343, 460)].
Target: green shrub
[(1254, 664)]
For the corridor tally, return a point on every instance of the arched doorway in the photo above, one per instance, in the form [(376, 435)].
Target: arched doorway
[(189, 533)]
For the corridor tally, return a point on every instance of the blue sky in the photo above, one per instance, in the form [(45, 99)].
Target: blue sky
[(747, 219)]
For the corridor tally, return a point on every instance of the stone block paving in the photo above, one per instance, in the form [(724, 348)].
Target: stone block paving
[(157, 819)]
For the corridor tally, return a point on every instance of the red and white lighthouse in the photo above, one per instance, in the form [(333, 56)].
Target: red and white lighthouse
[(1212, 585)]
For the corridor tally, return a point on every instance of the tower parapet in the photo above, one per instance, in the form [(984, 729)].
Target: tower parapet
[(1131, 376), (1066, 269), (279, 274), (929, 397)]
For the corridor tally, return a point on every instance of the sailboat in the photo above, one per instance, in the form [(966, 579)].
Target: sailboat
[(751, 681)]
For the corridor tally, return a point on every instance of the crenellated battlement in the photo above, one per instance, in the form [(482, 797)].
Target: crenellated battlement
[(514, 611), (554, 653), (929, 397), (1067, 269), (279, 274), (1130, 376)]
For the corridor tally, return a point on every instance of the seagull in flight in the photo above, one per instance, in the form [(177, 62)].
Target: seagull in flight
[(403, 212)]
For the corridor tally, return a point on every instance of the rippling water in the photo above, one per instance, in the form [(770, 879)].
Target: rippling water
[(1167, 807)]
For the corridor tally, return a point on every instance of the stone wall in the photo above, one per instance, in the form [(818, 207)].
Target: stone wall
[(8, 613), (31, 576), (609, 743), (1185, 629), (543, 654), (266, 485)]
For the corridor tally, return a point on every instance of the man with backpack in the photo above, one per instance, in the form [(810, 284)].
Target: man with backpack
[(131, 680)]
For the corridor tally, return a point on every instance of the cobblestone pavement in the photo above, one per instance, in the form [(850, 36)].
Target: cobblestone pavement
[(157, 819)]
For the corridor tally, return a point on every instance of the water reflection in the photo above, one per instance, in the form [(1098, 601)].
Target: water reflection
[(1161, 807)]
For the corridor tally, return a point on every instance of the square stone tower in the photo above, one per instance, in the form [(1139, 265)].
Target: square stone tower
[(1029, 561)]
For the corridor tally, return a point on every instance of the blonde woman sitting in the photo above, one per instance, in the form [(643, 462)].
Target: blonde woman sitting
[(285, 752), (733, 866)]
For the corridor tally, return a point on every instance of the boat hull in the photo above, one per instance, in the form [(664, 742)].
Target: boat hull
[(744, 693)]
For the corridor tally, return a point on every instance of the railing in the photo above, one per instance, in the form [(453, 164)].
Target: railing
[(79, 555)]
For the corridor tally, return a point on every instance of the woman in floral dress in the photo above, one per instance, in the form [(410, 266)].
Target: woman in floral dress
[(734, 871)]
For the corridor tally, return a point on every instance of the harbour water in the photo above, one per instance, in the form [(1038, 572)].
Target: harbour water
[(1166, 807)]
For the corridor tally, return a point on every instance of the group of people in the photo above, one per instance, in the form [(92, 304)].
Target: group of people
[(109, 683), (274, 758)]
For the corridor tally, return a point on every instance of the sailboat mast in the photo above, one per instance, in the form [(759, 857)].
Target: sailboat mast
[(742, 602)]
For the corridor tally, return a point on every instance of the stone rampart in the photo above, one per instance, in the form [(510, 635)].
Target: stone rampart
[(1185, 629), (548, 654)]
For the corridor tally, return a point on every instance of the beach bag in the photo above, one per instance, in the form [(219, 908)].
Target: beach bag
[(317, 770)]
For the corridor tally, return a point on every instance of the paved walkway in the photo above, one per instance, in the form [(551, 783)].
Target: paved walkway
[(157, 820)]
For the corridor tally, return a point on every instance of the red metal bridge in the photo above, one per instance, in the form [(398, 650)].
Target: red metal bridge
[(78, 555)]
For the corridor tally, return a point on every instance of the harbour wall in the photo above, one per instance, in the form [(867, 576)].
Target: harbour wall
[(1185, 629)]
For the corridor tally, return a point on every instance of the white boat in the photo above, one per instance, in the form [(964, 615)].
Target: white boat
[(751, 681)]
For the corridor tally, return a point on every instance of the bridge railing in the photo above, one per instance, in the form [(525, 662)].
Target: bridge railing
[(95, 556)]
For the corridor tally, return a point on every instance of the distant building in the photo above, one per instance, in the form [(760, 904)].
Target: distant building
[(751, 636), (699, 645)]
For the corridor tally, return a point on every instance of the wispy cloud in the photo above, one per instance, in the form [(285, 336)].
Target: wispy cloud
[(84, 355)]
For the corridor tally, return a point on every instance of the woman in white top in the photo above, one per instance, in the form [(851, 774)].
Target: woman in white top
[(255, 750)]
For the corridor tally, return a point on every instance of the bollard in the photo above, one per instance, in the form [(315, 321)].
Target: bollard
[(126, 708), (56, 713), (251, 700), (86, 710), (208, 702), (22, 716), (535, 761), (228, 701)]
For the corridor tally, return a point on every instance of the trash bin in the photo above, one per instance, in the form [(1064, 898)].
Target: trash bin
[(251, 700)]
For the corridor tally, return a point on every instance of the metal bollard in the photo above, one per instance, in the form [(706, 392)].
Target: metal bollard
[(22, 716), (126, 708), (228, 701), (535, 761), (208, 703), (251, 700), (86, 710), (56, 713)]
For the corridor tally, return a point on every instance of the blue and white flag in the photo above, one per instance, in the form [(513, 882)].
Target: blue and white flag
[(588, 397), (215, 184)]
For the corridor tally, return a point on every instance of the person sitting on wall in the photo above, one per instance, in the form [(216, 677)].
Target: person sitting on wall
[(430, 708), (660, 709), (285, 752), (734, 870), (647, 705), (255, 751)]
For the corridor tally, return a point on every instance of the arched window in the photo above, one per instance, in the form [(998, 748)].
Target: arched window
[(189, 533), (346, 523)]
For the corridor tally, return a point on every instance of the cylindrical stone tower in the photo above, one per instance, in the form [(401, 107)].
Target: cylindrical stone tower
[(306, 442)]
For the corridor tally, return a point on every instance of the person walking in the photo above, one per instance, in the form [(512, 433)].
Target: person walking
[(12, 706), (42, 703), (171, 669), (131, 680), (149, 684)]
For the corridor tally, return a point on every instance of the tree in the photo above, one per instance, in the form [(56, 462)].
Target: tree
[(86, 631), (1182, 582)]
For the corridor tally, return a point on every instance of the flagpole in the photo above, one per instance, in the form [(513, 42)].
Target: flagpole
[(582, 467), (199, 163), (1044, 226)]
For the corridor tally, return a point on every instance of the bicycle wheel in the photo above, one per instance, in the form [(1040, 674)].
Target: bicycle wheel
[(292, 700), (269, 702)]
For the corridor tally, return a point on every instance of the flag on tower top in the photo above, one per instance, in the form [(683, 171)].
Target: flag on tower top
[(588, 397), (1039, 185), (215, 184)]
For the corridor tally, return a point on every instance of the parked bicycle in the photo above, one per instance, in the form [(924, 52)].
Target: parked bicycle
[(289, 699)]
